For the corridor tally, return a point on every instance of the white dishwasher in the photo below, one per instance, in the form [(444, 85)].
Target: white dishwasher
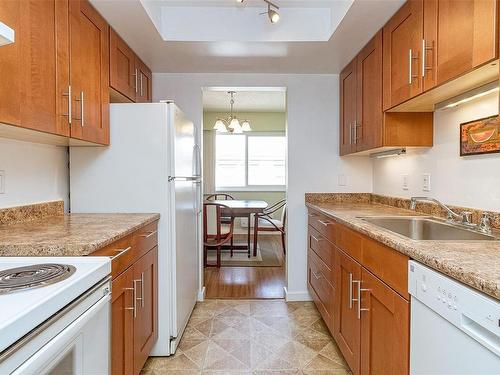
[(454, 329)]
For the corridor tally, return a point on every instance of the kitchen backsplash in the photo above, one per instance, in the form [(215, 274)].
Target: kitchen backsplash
[(30, 212)]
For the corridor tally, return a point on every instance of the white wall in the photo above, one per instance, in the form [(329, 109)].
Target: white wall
[(312, 129), (471, 181), (34, 173)]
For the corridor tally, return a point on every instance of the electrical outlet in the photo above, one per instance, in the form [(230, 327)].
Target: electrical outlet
[(342, 180), (426, 182), (2, 182), (405, 181)]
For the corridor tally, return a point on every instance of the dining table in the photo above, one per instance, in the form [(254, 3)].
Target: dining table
[(243, 208)]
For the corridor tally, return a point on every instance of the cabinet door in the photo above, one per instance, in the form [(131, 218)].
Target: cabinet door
[(123, 75), (384, 328), (146, 322), (465, 36), (347, 108), (89, 59), (402, 54), (368, 128), (122, 324), (347, 325), (34, 70), (144, 76)]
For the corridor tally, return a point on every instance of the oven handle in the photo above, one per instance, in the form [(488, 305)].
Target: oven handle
[(59, 315)]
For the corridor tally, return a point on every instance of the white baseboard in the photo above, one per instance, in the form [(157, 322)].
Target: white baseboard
[(201, 295), (297, 296)]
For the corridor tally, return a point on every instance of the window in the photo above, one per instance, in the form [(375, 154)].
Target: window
[(252, 161)]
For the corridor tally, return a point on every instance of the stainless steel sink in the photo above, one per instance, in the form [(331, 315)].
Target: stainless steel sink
[(427, 229)]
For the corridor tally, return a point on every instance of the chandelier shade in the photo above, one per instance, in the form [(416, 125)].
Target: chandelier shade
[(231, 124)]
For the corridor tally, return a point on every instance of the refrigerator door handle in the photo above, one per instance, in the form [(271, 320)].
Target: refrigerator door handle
[(183, 178)]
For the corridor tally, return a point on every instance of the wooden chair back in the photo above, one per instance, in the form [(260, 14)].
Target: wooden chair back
[(212, 224), (219, 197)]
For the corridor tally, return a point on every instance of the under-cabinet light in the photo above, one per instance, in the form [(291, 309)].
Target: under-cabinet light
[(388, 153), (468, 96)]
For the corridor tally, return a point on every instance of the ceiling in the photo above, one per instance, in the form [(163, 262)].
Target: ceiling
[(138, 23), (244, 101)]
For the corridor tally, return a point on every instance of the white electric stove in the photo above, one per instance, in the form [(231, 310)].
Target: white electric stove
[(54, 315)]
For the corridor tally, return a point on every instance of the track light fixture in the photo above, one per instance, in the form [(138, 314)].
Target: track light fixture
[(273, 14)]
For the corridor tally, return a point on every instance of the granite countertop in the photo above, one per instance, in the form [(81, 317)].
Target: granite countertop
[(68, 235), (476, 264)]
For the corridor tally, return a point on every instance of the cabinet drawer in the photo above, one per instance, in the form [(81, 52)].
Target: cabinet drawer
[(387, 264), (323, 248), (146, 238), (122, 253), (350, 242), (324, 225), (323, 291)]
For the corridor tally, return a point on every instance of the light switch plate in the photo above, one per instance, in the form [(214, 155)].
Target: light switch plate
[(405, 181), (2, 182), (342, 180), (426, 182)]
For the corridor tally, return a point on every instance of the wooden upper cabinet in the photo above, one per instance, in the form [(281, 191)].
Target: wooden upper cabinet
[(385, 329), (123, 75), (146, 322), (35, 69), (347, 325), (348, 86), (144, 84), (122, 324), (459, 36), (130, 79), (369, 119), (89, 61), (402, 54)]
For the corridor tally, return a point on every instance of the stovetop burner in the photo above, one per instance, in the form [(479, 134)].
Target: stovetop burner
[(33, 276)]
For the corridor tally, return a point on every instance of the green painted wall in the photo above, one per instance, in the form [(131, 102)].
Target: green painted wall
[(260, 121)]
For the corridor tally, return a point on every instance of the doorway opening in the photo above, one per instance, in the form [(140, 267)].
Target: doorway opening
[(244, 190)]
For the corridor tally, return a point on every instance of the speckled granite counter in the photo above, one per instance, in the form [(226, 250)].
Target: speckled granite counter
[(68, 235), (476, 264)]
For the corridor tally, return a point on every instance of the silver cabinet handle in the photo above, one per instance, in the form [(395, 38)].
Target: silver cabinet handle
[(134, 307), (350, 290), (315, 239), (359, 298), (141, 84), (136, 298), (350, 134), (325, 223), (142, 290), (69, 114), (149, 234), (424, 53), (135, 80), (121, 252), (410, 70), (82, 114), (355, 129)]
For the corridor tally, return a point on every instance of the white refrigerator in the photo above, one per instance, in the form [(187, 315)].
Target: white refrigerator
[(153, 164)]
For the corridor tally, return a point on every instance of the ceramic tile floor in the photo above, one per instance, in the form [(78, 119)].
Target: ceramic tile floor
[(253, 338)]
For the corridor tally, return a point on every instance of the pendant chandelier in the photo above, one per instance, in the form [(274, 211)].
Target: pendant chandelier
[(231, 124)]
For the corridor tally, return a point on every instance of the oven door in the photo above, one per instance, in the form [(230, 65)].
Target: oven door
[(83, 347)]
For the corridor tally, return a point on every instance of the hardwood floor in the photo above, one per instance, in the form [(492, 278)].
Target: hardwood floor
[(247, 282)]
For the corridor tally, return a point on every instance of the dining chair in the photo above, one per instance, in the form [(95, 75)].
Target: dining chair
[(215, 233), (265, 223), (221, 197)]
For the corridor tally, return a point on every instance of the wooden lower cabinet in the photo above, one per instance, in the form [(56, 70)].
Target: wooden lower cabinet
[(347, 325), (369, 311), (146, 322), (122, 324), (134, 298), (384, 328)]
